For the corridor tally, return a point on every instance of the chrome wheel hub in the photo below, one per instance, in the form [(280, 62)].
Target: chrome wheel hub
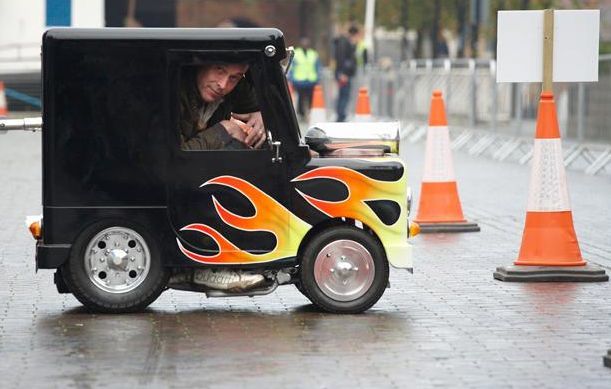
[(344, 270), (117, 260)]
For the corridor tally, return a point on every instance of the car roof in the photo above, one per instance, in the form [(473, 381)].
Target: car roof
[(254, 35)]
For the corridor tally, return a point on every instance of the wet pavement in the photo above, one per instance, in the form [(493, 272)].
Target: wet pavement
[(450, 324)]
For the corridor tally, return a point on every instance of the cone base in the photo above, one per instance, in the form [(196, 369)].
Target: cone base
[(587, 273), (607, 359), (448, 227)]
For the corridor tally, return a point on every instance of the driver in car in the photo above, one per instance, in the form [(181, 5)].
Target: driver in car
[(218, 109)]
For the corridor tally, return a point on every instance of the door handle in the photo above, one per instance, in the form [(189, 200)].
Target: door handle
[(276, 149)]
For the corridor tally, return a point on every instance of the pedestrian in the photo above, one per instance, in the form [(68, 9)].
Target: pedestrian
[(305, 74), (441, 46), (345, 68)]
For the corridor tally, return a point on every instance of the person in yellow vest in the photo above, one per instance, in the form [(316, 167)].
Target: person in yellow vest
[(361, 53), (305, 74)]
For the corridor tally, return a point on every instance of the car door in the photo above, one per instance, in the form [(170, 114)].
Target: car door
[(226, 206)]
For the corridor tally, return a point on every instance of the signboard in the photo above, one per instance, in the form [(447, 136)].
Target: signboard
[(520, 46)]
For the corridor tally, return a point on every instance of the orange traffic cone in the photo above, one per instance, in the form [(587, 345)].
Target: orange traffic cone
[(3, 105), (318, 112), (549, 251), (363, 109), (439, 209), (292, 94)]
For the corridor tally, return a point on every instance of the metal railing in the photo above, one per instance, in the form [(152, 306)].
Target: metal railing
[(487, 118)]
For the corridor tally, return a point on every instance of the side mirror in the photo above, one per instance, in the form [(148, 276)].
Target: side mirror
[(288, 60)]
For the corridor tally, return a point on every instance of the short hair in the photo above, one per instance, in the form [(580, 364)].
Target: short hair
[(353, 30)]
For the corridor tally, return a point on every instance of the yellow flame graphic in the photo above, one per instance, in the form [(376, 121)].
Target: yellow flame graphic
[(270, 216), (360, 189)]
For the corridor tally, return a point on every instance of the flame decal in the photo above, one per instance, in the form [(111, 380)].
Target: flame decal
[(270, 216), (360, 189)]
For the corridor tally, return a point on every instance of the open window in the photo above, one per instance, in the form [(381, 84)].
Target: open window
[(216, 99)]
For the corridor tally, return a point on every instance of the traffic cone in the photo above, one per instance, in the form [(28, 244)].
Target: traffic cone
[(440, 209), (549, 250), (3, 105), (318, 112), (363, 109), (292, 94)]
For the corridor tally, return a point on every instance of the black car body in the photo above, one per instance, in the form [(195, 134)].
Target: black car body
[(112, 157)]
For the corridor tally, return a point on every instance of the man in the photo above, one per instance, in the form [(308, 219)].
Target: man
[(213, 96), (345, 68), (218, 110), (305, 73)]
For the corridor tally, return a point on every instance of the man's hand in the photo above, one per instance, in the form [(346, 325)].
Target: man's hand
[(342, 79), (234, 129), (252, 119), (256, 133)]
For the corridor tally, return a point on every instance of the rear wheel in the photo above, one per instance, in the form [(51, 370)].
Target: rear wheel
[(115, 267), (344, 270)]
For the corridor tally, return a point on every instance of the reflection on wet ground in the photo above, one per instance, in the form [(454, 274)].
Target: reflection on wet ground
[(160, 346)]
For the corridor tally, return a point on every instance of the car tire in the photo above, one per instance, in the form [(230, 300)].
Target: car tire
[(115, 267), (344, 270)]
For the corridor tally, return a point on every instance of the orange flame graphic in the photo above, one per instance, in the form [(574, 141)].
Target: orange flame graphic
[(360, 189), (270, 216)]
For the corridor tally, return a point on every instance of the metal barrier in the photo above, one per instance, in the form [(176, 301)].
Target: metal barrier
[(25, 98), (591, 158), (492, 119)]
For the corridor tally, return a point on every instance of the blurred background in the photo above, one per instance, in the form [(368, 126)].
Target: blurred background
[(408, 48)]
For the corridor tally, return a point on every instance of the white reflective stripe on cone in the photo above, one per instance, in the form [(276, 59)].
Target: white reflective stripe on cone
[(548, 189), (438, 166)]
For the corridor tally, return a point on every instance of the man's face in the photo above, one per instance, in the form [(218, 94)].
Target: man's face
[(217, 80)]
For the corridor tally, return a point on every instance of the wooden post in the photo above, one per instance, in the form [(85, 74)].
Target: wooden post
[(548, 50)]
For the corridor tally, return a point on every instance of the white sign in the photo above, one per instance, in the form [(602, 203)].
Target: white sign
[(520, 46)]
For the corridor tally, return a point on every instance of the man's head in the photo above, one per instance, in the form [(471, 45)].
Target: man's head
[(305, 42), (353, 33), (214, 81)]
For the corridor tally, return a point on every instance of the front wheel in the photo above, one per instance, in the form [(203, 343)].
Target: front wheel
[(115, 267), (344, 270)]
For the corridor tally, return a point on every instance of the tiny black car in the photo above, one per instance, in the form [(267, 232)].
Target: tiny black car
[(127, 213)]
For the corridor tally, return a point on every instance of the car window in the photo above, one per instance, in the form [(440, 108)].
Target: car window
[(218, 108)]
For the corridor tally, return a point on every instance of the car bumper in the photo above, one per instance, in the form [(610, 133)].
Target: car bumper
[(51, 256), (400, 255)]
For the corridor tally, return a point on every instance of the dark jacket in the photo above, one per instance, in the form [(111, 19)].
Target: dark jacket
[(214, 137), (345, 56)]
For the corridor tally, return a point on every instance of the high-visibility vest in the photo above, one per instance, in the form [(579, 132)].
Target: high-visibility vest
[(360, 52), (304, 64)]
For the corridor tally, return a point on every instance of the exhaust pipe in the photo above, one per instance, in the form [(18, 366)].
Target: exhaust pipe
[(26, 124)]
